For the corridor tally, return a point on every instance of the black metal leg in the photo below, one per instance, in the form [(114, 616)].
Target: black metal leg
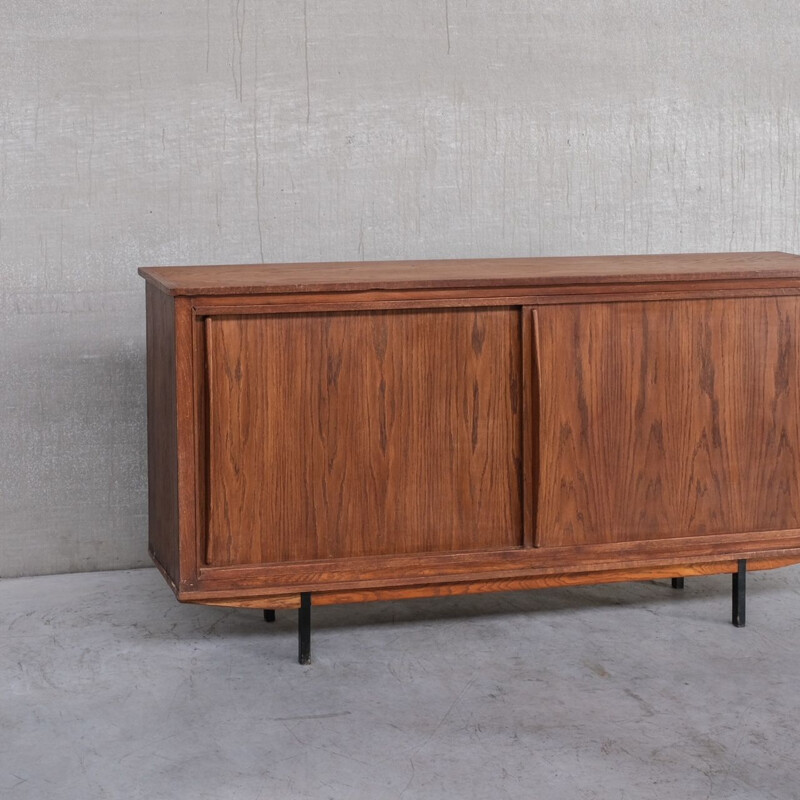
[(739, 594), (269, 615), (304, 628), (677, 583)]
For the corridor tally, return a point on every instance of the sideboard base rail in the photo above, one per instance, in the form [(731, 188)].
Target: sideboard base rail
[(738, 609)]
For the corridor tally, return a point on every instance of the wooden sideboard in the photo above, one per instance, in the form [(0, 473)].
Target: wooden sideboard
[(336, 433)]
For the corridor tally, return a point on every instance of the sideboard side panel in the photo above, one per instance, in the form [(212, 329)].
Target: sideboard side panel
[(668, 419), (351, 434), (162, 438)]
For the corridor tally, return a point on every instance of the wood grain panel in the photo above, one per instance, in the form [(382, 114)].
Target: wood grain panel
[(162, 435), (352, 434), (668, 419)]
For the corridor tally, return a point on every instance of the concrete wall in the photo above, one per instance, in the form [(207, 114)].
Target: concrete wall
[(136, 132)]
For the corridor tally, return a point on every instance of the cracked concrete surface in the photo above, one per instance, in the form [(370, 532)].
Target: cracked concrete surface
[(112, 689)]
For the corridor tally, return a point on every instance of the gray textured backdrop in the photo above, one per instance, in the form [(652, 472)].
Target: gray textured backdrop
[(136, 132)]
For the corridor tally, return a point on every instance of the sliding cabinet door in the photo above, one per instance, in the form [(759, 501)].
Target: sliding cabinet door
[(668, 419), (362, 433)]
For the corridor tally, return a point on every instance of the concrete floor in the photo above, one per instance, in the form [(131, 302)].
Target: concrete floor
[(111, 689)]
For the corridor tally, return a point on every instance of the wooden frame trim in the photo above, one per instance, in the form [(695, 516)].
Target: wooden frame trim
[(544, 582), (186, 432), (383, 571), (330, 594), (536, 424), (527, 467), (335, 597), (489, 296), (530, 423)]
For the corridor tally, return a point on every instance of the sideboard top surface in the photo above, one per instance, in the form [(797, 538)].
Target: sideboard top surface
[(469, 273)]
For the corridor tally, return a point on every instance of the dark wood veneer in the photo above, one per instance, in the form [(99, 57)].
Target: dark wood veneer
[(660, 418), (341, 435)]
